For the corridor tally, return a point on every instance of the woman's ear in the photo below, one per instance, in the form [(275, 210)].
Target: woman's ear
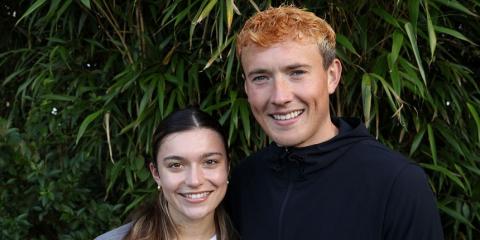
[(155, 174)]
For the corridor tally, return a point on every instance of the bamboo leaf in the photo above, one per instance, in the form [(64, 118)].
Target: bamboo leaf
[(396, 45), (476, 118), (455, 215), (244, 116), (416, 141), (450, 138), (134, 204), (229, 14), (206, 11), (217, 53), (413, 41), (366, 97), (347, 44), (128, 176), (86, 3), (254, 5), (413, 9), (473, 169), (386, 16), (468, 188), (451, 175), (433, 145), (228, 73), (31, 9), (394, 75), (167, 13), (58, 97), (453, 33), (161, 94), (224, 117), (393, 99), (431, 32), (456, 5), (113, 175), (85, 124)]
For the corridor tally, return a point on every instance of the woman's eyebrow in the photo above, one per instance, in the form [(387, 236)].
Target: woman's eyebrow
[(205, 155), (173, 157)]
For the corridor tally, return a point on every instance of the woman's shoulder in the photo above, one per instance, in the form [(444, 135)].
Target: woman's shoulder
[(117, 233)]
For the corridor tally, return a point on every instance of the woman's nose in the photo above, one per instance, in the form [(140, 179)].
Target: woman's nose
[(195, 177)]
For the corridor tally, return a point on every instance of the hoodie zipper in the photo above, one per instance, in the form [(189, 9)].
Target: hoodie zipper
[(282, 210), (284, 204)]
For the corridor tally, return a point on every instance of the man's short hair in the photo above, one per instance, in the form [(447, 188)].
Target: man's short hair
[(285, 23)]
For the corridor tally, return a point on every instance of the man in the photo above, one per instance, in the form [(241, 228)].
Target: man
[(322, 177)]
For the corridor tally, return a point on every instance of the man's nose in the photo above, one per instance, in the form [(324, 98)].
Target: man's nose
[(282, 92)]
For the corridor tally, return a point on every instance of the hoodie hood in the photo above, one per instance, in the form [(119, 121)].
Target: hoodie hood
[(298, 163)]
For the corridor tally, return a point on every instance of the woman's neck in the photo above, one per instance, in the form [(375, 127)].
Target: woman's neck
[(198, 229)]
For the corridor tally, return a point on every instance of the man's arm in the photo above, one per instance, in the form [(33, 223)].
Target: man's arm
[(411, 211)]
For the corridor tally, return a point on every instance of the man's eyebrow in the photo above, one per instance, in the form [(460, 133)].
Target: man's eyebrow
[(257, 71), (297, 65)]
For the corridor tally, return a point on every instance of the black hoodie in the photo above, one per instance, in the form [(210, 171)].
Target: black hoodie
[(349, 187)]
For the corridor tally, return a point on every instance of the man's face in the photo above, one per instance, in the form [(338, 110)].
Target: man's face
[(288, 90)]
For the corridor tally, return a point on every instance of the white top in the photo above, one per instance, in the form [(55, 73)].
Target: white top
[(117, 233), (120, 232)]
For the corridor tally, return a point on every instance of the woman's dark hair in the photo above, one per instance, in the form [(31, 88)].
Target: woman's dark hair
[(153, 221), (183, 120)]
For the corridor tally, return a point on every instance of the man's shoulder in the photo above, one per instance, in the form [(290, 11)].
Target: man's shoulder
[(379, 161), (255, 164), (117, 233), (258, 158), (373, 150)]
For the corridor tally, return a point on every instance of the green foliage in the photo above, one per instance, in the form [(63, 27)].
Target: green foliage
[(85, 82)]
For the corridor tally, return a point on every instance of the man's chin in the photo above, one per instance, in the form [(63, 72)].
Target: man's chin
[(285, 141)]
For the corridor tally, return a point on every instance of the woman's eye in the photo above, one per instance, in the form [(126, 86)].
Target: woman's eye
[(174, 165), (211, 162)]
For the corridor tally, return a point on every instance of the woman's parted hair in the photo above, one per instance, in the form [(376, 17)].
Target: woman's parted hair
[(184, 120), (285, 23), (153, 220)]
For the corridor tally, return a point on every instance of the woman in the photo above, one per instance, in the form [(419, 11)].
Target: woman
[(190, 168)]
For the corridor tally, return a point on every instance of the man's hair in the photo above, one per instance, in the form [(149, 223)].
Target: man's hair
[(285, 23)]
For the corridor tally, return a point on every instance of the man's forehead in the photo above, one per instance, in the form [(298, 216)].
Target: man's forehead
[(251, 44), (254, 52)]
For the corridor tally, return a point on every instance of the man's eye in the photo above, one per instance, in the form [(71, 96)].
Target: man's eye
[(259, 78), (298, 72)]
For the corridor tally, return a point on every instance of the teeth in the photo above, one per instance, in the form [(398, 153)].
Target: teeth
[(196, 195), (287, 116)]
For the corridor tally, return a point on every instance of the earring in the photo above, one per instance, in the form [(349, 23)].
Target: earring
[(158, 187), (228, 182)]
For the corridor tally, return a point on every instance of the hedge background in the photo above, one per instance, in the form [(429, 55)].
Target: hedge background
[(84, 82)]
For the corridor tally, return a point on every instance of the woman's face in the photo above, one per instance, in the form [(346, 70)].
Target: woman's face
[(193, 172)]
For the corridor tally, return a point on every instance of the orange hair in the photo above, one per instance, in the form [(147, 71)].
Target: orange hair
[(284, 23)]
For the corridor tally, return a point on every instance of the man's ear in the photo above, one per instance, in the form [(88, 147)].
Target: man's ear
[(334, 73), (155, 175), (244, 83)]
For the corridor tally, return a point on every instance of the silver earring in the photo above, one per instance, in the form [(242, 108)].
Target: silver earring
[(228, 182), (158, 187)]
